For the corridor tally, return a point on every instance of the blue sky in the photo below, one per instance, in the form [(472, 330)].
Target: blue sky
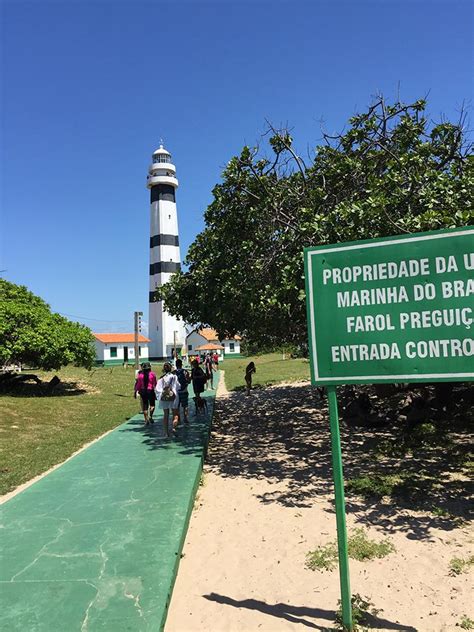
[(90, 87)]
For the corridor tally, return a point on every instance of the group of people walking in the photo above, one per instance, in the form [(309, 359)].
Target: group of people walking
[(171, 391)]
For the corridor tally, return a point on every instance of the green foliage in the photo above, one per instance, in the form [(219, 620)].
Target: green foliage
[(424, 435), (361, 608), (466, 623), (359, 547), (376, 485), (31, 334), (324, 558), (458, 565), (392, 172), (427, 434), (440, 512)]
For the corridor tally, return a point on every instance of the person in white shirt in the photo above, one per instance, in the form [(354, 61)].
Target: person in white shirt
[(167, 390)]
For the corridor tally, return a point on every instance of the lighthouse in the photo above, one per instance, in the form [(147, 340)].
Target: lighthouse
[(165, 331)]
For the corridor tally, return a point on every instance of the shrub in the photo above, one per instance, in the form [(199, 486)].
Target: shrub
[(361, 607), (361, 548), (460, 565)]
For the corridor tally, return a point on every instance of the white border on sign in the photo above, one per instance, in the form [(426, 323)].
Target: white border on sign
[(389, 242)]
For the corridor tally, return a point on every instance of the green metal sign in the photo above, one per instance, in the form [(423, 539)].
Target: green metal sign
[(398, 309)]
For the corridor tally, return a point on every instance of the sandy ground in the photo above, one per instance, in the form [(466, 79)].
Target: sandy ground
[(267, 500)]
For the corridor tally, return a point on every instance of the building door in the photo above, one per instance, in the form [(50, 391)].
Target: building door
[(125, 354)]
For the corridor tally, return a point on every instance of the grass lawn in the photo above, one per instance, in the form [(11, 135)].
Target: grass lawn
[(38, 432), (271, 369)]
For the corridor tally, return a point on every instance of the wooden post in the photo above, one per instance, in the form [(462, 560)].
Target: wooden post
[(136, 330)]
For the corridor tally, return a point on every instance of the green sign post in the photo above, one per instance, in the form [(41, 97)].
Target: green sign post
[(397, 309)]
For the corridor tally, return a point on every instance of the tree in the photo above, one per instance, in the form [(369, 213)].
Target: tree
[(391, 172), (31, 334)]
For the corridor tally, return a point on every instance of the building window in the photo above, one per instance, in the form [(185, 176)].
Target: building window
[(231, 346), (190, 347), (139, 351), (113, 352)]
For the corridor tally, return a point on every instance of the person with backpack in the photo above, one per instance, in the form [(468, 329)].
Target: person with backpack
[(184, 380), (145, 384), (167, 390)]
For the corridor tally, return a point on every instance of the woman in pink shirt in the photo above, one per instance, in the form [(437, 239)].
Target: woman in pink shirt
[(145, 386)]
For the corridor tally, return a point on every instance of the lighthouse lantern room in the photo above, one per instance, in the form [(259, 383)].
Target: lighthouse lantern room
[(166, 332)]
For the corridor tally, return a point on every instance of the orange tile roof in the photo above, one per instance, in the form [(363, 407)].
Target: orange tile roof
[(209, 347), (120, 338), (211, 334), (208, 334)]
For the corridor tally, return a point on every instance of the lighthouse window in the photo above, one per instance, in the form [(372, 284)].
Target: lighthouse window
[(162, 158)]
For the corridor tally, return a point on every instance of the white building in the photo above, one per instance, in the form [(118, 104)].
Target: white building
[(198, 340), (165, 331), (119, 348)]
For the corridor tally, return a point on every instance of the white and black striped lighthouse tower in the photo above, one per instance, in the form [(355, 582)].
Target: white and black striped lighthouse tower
[(164, 330)]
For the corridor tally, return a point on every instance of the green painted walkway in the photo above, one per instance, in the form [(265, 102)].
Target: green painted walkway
[(95, 544)]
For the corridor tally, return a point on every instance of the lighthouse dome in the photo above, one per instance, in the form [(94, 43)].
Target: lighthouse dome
[(161, 170), (161, 155)]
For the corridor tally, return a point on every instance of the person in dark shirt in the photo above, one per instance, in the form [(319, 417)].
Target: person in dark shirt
[(184, 379), (198, 378), (248, 376)]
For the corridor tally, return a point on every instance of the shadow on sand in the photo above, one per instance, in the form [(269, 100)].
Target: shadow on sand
[(297, 614), (282, 434)]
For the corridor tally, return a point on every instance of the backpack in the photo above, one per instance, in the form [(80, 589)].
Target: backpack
[(167, 394), (183, 378)]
